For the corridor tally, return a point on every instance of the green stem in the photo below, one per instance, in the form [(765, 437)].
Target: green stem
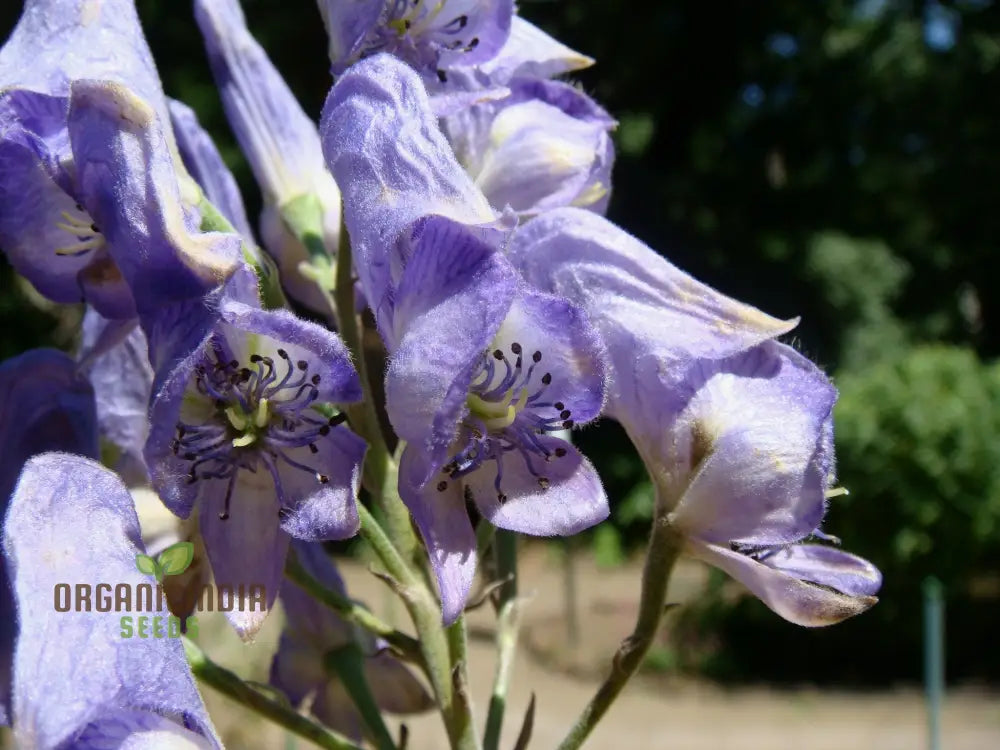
[(233, 687), (458, 649), (426, 615), (353, 612), (508, 621), (348, 664), (664, 547)]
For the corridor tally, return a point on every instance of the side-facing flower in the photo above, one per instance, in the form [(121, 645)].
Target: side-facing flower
[(483, 368), (735, 429), (44, 406), (430, 36), (91, 203), (77, 682), (543, 146), (281, 144), (315, 638), (242, 425)]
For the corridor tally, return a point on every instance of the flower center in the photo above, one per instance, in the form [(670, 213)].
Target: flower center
[(260, 414), (508, 411), (84, 233)]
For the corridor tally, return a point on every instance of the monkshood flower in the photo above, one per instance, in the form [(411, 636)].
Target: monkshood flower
[(77, 682), (238, 427), (313, 636), (431, 36), (280, 142), (735, 429), (204, 163), (91, 204), (543, 146), (483, 369), (44, 406)]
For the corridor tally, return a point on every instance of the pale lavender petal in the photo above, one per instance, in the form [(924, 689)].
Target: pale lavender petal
[(827, 566), (754, 425), (795, 600), (570, 500), (530, 52), (70, 517), (446, 529)]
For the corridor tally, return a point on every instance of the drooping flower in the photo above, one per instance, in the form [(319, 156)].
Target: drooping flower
[(735, 429), (430, 36), (483, 368), (77, 682), (543, 146), (239, 426), (314, 634), (93, 200), (44, 406), (281, 144)]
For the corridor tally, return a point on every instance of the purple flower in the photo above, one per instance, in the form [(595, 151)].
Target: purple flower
[(735, 429), (544, 146), (77, 681), (279, 139), (91, 204), (483, 369), (238, 426), (312, 632), (44, 405), (430, 36)]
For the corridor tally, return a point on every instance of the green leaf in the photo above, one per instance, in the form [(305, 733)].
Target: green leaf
[(175, 559), (145, 564)]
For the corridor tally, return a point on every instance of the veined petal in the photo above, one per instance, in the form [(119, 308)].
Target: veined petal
[(128, 183), (454, 294), (752, 434), (280, 141), (530, 52), (72, 522), (571, 500), (795, 600), (827, 566), (446, 529), (382, 143), (205, 165)]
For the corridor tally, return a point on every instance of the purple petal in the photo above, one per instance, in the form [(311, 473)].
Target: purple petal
[(753, 432), (297, 668), (307, 619), (334, 707), (828, 566), (329, 511), (69, 518), (122, 379), (530, 52), (452, 298), (204, 162), (249, 547), (571, 500), (395, 688), (128, 183), (382, 143), (447, 532), (795, 600), (347, 25)]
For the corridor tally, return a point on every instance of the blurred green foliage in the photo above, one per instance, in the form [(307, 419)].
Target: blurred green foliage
[(832, 160)]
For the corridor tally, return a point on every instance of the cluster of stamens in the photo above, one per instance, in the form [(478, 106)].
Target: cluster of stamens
[(418, 20), (507, 412), (261, 412), (85, 233)]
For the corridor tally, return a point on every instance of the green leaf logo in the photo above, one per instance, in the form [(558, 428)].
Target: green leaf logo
[(145, 564), (175, 559)]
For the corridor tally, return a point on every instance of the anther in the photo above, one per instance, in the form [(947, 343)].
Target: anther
[(315, 379), (302, 365), (323, 478), (515, 347), (442, 486), (497, 355), (546, 378), (564, 414), (501, 498), (255, 358), (283, 354), (568, 424), (536, 357), (313, 448), (442, 76), (560, 452), (543, 482), (559, 405), (224, 516)]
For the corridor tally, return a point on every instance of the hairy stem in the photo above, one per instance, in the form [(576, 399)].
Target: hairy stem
[(664, 547), (233, 687)]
